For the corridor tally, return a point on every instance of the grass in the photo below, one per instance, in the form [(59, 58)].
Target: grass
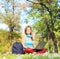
[(30, 56)]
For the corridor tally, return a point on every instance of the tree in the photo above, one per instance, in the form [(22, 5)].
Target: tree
[(11, 17), (46, 10)]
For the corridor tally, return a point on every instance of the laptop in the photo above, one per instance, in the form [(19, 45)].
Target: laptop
[(40, 45)]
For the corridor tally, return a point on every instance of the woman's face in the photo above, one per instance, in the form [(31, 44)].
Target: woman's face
[(28, 30)]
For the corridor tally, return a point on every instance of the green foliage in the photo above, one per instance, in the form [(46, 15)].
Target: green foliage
[(10, 21), (57, 29), (16, 35), (11, 17), (4, 41)]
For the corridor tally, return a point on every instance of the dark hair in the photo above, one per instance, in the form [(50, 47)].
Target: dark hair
[(30, 29)]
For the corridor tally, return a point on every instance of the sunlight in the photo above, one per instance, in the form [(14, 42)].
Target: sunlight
[(3, 26)]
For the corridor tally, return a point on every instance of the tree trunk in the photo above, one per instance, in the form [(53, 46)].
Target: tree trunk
[(11, 25), (10, 37), (55, 47), (50, 46), (50, 50), (55, 42)]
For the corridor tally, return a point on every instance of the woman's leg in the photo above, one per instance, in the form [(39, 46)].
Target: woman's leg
[(41, 51), (29, 50)]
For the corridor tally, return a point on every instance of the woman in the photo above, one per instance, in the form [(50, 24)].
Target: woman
[(28, 41)]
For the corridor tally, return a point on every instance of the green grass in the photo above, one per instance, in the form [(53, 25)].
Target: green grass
[(29, 56)]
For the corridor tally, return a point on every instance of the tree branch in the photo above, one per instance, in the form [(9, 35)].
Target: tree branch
[(50, 13), (40, 4)]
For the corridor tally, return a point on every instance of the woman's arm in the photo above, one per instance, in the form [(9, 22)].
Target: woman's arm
[(23, 41)]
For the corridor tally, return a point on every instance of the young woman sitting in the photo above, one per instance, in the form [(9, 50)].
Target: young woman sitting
[(28, 42)]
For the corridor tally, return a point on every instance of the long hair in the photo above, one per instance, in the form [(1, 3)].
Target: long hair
[(30, 29)]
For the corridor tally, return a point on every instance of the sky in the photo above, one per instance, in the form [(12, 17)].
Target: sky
[(59, 2)]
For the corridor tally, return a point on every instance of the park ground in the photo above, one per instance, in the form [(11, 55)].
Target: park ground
[(30, 56)]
